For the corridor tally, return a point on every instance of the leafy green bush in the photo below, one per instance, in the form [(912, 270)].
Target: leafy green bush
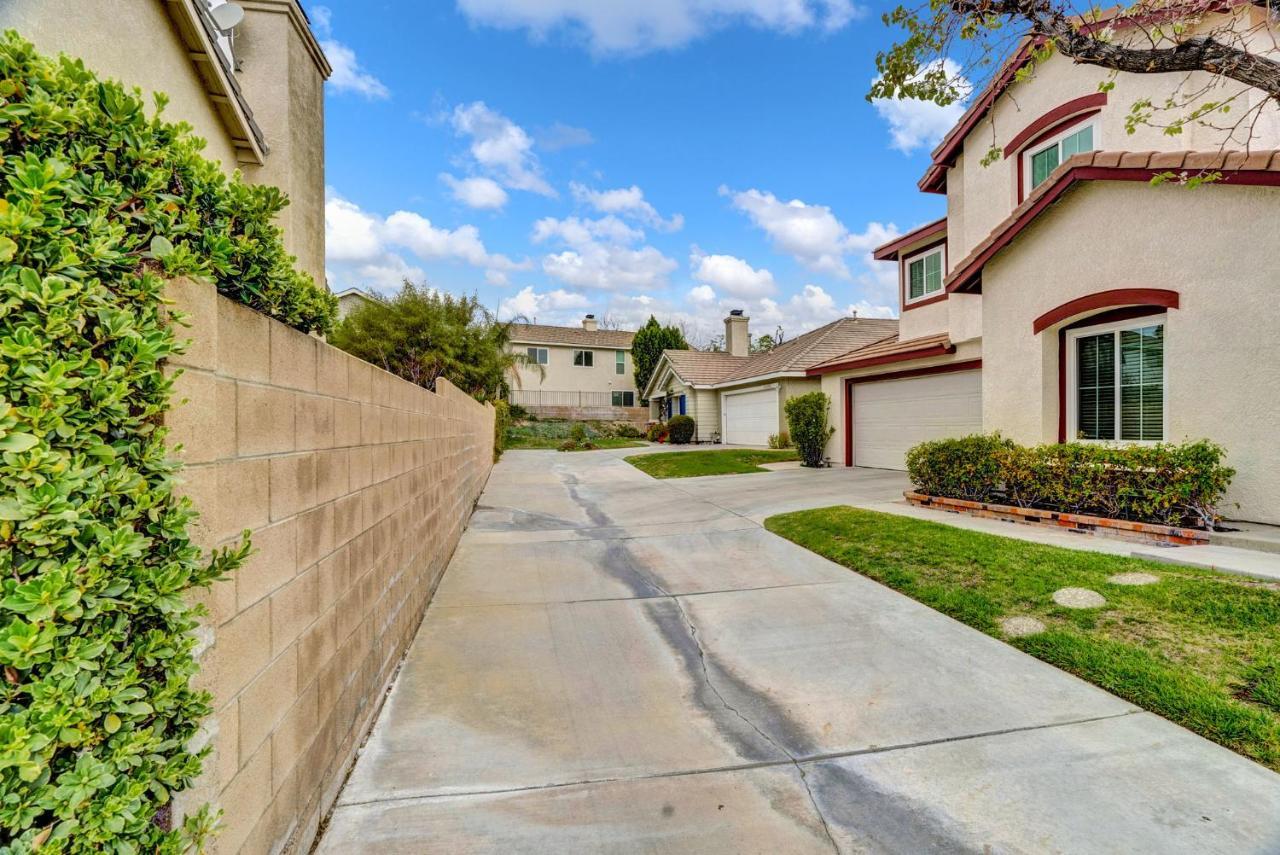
[(781, 439), (680, 429), (501, 421), (517, 411), (100, 204), (626, 430), (657, 432), (578, 432), (1170, 484), (807, 420)]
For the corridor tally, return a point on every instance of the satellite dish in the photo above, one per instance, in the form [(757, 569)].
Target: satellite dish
[(226, 17)]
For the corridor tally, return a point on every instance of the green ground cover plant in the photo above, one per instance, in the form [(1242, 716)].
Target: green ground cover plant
[(725, 461), (100, 203), (555, 434), (1197, 647)]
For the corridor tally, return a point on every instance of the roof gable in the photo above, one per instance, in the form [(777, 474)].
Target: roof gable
[(571, 336)]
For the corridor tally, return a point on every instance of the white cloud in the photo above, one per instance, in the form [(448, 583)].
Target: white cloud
[(561, 136), (348, 75), (601, 254), (501, 147), (627, 202), (546, 306), (702, 294), (810, 233), (640, 27), (732, 275), (476, 192), (364, 249), (915, 123), (808, 309)]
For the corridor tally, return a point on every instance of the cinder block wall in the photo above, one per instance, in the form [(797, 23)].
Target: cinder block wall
[(356, 486)]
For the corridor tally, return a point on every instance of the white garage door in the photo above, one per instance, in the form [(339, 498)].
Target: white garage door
[(891, 416), (749, 417)]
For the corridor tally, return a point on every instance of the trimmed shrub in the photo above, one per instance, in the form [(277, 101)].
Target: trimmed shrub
[(1169, 484), (100, 204), (680, 429), (657, 432), (626, 430), (501, 421), (807, 419), (781, 439)]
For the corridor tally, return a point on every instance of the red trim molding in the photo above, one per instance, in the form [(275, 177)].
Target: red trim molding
[(967, 277), (1096, 101), (850, 382), (889, 251), (888, 358), (902, 277), (1019, 168), (1103, 300)]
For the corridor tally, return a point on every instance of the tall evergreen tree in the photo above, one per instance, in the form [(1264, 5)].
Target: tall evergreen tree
[(646, 348)]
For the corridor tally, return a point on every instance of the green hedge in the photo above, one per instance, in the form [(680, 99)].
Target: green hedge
[(99, 204), (680, 429), (501, 421), (1166, 483), (807, 420)]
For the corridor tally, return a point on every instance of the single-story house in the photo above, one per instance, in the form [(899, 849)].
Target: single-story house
[(737, 396), (581, 372), (1068, 296)]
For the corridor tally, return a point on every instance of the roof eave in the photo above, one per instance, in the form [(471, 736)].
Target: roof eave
[(886, 359), (890, 251)]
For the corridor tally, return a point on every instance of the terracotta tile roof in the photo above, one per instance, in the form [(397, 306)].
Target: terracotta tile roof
[(709, 368), (1237, 167), (570, 336), (891, 349)]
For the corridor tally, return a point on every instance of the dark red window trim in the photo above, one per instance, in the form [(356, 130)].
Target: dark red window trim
[(1065, 125), (1127, 313), (1103, 299), (1051, 119), (966, 365), (902, 276)]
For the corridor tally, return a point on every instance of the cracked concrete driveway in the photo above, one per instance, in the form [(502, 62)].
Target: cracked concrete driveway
[(618, 664)]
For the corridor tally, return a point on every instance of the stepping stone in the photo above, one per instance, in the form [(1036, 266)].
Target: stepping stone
[(1133, 579), (1078, 598), (1020, 627)]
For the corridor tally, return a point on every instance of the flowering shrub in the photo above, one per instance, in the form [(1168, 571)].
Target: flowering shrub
[(1170, 484)]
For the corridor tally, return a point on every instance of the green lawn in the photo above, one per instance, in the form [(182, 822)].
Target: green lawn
[(689, 464), (550, 434), (1199, 648)]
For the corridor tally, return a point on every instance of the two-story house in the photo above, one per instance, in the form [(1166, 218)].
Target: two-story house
[(579, 372), (247, 76), (1064, 296)]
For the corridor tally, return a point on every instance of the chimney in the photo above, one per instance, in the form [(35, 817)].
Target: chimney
[(589, 323), (736, 338)]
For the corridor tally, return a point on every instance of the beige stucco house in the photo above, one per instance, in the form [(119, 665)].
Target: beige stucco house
[(737, 397), (254, 92), (1064, 296), (581, 372)]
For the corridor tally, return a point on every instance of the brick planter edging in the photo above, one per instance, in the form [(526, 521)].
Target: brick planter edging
[(1105, 526)]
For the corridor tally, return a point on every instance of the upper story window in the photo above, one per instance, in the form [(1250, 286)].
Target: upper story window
[(1116, 381), (924, 273), (1044, 157), (584, 358), (536, 355), (619, 362)]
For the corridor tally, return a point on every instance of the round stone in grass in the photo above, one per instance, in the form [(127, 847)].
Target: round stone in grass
[(1078, 598), (1133, 579), (1020, 627)]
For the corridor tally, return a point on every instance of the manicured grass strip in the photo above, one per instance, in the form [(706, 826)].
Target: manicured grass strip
[(690, 464), (1200, 648)]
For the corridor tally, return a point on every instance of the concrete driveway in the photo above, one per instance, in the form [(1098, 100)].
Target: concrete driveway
[(618, 664)]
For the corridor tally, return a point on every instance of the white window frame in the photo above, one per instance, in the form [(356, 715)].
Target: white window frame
[(541, 357), (1032, 150), (907, 299), (1072, 401), (587, 351)]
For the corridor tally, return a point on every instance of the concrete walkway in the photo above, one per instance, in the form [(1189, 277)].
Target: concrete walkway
[(618, 664)]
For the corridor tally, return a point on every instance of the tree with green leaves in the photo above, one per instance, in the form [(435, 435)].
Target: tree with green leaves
[(646, 348), (422, 334), (768, 341), (949, 43)]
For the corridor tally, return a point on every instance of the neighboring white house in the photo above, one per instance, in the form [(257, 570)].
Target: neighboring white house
[(352, 299), (738, 397), (1065, 297), (579, 372)]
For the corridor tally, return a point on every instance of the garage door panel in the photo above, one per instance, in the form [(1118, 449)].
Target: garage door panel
[(891, 416), (750, 417)]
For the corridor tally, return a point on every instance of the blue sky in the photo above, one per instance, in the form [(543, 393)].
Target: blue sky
[(559, 157)]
